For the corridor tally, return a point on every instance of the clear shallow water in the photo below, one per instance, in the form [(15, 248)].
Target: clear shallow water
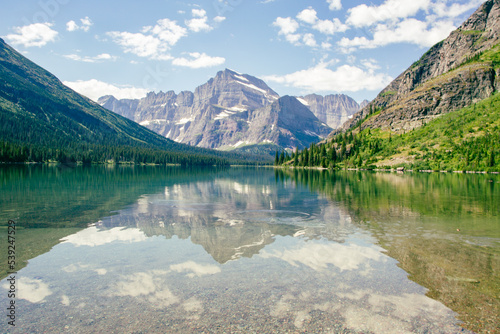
[(238, 250)]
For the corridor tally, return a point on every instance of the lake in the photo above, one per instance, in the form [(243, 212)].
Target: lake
[(143, 249)]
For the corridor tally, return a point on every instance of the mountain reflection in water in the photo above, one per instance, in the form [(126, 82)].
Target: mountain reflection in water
[(239, 250)]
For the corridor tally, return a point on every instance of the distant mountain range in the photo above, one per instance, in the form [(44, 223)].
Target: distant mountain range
[(43, 120), (235, 111)]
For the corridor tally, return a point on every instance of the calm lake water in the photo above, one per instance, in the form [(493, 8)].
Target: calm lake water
[(248, 250)]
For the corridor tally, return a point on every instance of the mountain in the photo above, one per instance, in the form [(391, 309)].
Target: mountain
[(41, 120), (184, 117), (334, 110), (235, 111), (457, 72), (442, 113)]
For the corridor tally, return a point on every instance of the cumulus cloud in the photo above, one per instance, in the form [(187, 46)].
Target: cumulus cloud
[(86, 59), (334, 4), (441, 9), (309, 40), (287, 25), (308, 22), (153, 41), (308, 15), (198, 60), (346, 78), (407, 31), (37, 34), (94, 89), (141, 45), (330, 27), (363, 15), (85, 25), (199, 21)]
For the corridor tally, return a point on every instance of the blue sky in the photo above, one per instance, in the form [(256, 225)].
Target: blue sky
[(127, 48)]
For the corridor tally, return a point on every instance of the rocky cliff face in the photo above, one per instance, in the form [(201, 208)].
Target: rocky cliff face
[(334, 110), (454, 73), (233, 110)]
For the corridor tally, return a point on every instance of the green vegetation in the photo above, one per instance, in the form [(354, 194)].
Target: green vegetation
[(464, 140), (41, 120), (388, 93), (471, 32), (490, 56)]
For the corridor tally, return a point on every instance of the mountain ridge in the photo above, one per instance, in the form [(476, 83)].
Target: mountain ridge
[(441, 114), (219, 113), (444, 79), (41, 119)]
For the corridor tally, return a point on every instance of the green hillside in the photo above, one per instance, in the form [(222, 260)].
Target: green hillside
[(465, 140), (43, 120)]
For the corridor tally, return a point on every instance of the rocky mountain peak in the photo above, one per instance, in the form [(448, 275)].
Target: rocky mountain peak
[(232, 89), (452, 74), (234, 110)]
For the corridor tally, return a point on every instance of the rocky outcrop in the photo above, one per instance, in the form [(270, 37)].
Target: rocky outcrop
[(333, 110), (453, 74), (233, 110)]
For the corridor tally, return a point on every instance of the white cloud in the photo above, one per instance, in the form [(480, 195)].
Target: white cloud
[(71, 26), (198, 12), (198, 24), (86, 23), (363, 15), (309, 40), (141, 45), (287, 25), (293, 38), (345, 78), (86, 59), (330, 27), (94, 89), (408, 31), (334, 4), (199, 21), (455, 9), (167, 31), (37, 34), (219, 19), (308, 15), (153, 41), (199, 60), (326, 45)]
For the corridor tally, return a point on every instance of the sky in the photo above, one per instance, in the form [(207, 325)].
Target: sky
[(128, 48)]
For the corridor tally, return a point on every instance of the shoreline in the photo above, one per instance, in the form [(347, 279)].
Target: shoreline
[(397, 170)]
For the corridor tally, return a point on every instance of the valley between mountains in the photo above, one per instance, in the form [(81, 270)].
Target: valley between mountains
[(235, 111), (442, 113)]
